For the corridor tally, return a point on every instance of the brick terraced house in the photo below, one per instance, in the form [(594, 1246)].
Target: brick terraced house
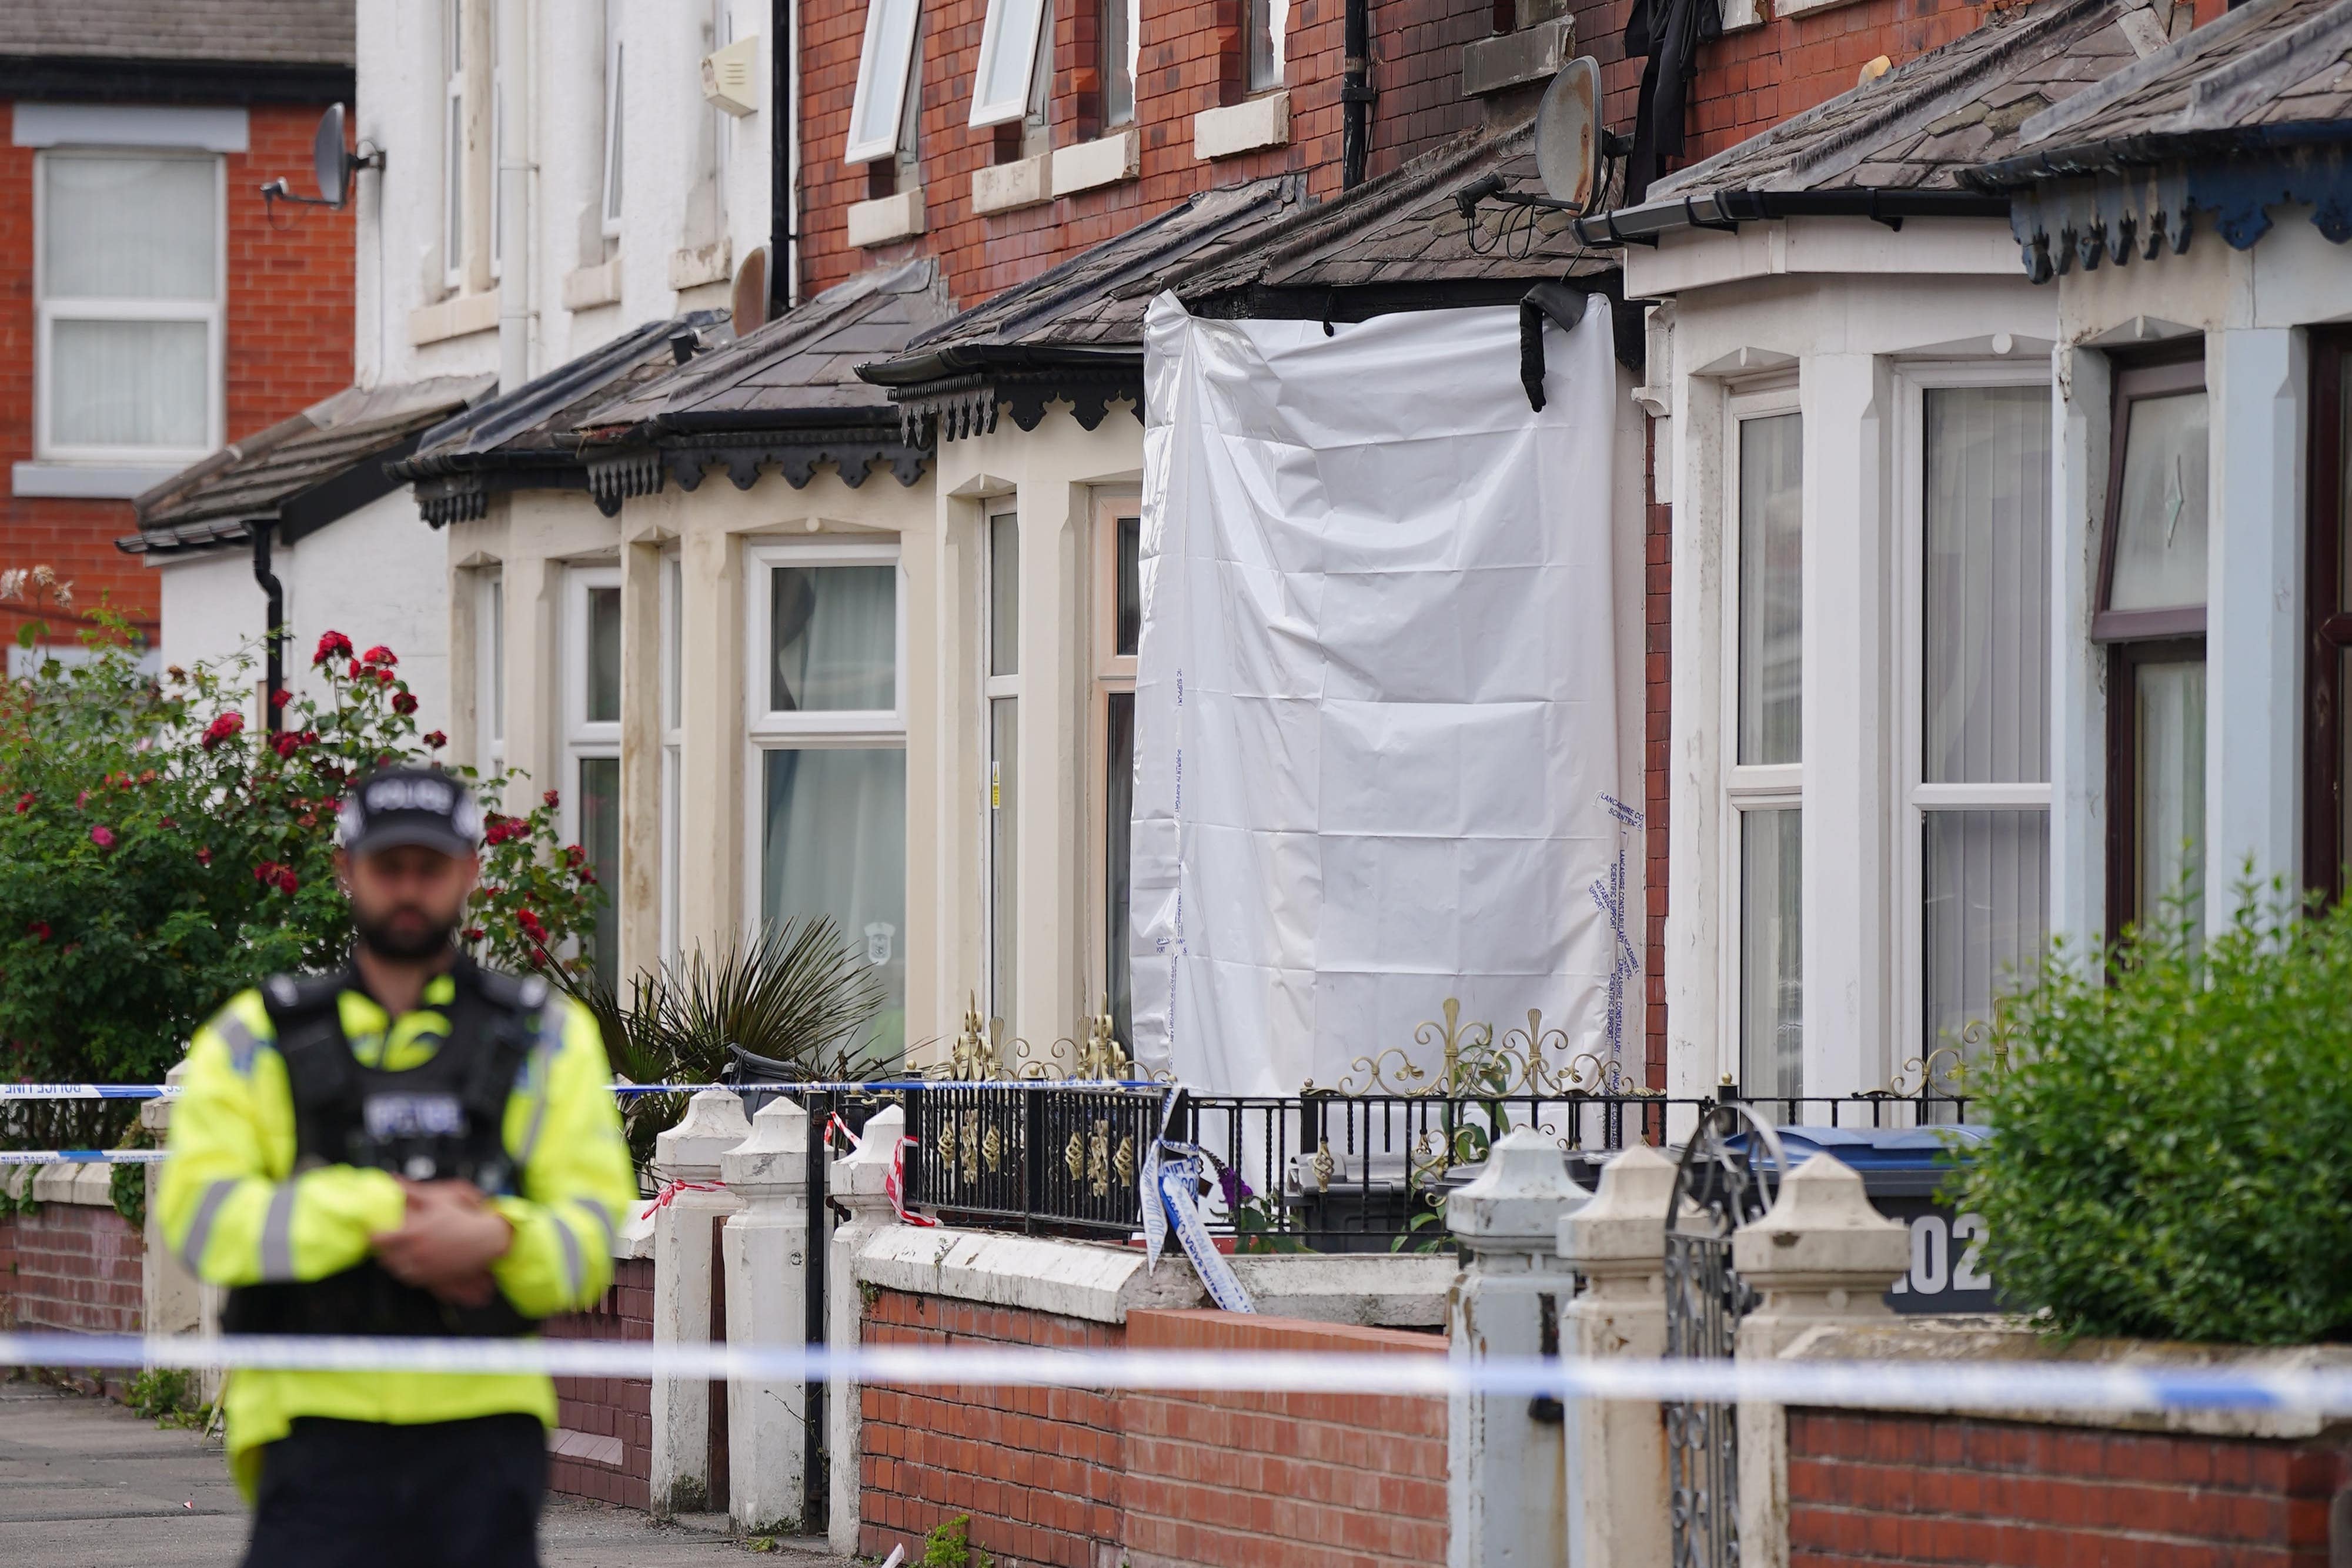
[(152, 306)]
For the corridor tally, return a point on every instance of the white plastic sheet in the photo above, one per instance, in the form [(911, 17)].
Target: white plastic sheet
[(1377, 731)]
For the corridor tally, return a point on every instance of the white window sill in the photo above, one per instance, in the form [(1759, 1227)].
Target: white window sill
[(886, 218), (90, 481), (1243, 127), (1005, 187), (587, 288), (453, 317), (713, 263), (1105, 160)]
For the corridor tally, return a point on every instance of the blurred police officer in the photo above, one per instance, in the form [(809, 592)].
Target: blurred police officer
[(414, 1145)]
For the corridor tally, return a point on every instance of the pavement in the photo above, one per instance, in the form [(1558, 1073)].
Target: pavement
[(84, 1483)]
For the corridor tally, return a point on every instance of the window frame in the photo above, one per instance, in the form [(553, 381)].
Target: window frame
[(489, 668), (995, 688), (906, 52), (48, 310), (587, 740), (1276, 75), (612, 186), (453, 151), (1130, 15), (994, 38), (2135, 637), (1916, 797), (1746, 785), (670, 721), (766, 730), (1111, 674)]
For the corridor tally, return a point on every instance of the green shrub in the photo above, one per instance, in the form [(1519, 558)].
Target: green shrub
[(2172, 1152), (164, 1395), (157, 854), (949, 1545)]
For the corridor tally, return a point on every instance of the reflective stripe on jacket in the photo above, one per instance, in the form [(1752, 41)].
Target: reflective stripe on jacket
[(230, 1206)]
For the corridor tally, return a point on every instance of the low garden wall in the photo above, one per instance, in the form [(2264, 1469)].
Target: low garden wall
[(602, 1447), (70, 1262), (2027, 1486), (1078, 1478)]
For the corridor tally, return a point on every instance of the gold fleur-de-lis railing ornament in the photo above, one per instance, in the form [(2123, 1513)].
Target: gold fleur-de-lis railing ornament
[(1102, 1059), (972, 1058), (1326, 1166), (970, 1146), (945, 1140), (1122, 1162), (992, 1149), (1074, 1158), (1098, 1160)]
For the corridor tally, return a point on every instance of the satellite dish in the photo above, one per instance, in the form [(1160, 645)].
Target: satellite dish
[(1568, 141), (330, 159)]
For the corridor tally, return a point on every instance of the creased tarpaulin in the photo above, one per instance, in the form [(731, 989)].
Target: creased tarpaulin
[(1376, 726)]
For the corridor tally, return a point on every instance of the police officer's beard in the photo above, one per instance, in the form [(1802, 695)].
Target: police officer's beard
[(403, 933)]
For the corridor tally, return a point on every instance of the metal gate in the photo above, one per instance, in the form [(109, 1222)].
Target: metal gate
[(1730, 1172)]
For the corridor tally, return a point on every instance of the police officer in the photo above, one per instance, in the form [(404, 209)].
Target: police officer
[(414, 1145)]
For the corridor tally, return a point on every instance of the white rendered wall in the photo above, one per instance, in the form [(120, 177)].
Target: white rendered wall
[(377, 576), (667, 150)]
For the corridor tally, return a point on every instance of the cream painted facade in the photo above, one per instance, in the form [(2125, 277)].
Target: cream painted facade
[(696, 852)]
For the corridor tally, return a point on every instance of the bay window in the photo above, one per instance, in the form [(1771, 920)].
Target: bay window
[(1001, 696), (1764, 793), (2151, 616), (592, 734), (130, 305), (1979, 775), (828, 732), (1117, 630)]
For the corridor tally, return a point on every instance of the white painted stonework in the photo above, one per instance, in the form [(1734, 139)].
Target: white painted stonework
[(684, 1229), (1001, 187), (767, 1243), (1095, 1281), (1105, 160), (858, 1183), (1242, 127), (886, 218)]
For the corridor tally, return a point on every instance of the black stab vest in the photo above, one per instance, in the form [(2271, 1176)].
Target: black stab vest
[(442, 1119)]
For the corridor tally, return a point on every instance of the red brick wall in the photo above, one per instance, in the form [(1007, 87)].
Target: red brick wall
[(1288, 1480), (1419, 77), (1075, 1478), (618, 1407), (289, 344), (71, 1266), (1900, 1490)]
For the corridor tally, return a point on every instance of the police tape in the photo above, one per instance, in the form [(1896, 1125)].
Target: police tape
[(2292, 1387), (80, 1156), (872, 1086)]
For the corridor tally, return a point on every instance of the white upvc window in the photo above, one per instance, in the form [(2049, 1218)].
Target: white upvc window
[(490, 671), (615, 117), (1763, 772), (1119, 33), (884, 65), (591, 741), (673, 745), (453, 143), (1118, 631), (1974, 713), (826, 750), (1010, 45), (1000, 701), (128, 280)]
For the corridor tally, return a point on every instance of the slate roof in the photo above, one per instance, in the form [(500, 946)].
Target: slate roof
[(800, 368), (301, 473), (2252, 74), (284, 32), (1406, 228)]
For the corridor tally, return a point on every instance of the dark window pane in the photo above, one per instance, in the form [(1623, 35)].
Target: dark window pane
[(1771, 588), (1118, 808), (603, 655), (1004, 595), (1003, 858), (600, 835), (1771, 953), (2169, 814), (1131, 583), (1263, 72)]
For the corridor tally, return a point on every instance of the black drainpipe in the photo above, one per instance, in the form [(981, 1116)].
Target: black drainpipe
[(274, 639), (783, 253), (1356, 94)]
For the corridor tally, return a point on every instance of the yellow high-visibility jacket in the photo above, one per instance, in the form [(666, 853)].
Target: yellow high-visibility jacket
[(231, 1207)]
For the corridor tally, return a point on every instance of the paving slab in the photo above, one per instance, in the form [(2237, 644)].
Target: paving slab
[(84, 1483)]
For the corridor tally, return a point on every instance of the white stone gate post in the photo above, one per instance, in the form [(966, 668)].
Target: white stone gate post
[(766, 1244), (690, 1151)]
